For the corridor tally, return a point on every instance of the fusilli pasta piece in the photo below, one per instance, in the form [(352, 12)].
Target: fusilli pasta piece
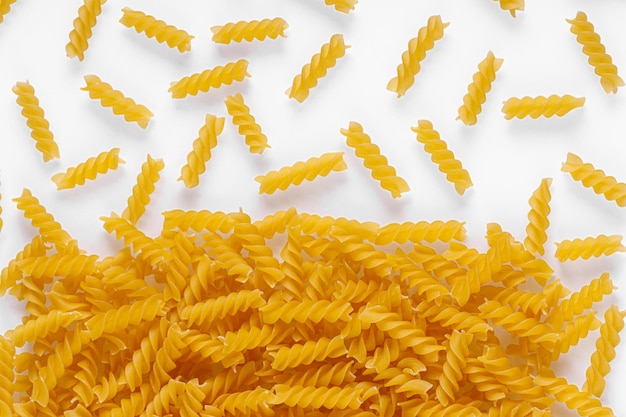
[(248, 127), (5, 7), (512, 5), (201, 153), (305, 311), (88, 12), (479, 87), (420, 231), (590, 246), (158, 29), (250, 30), (536, 107), (210, 78), (318, 397), (217, 309), (343, 6), (457, 351), (140, 196), (574, 331), (538, 218), (596, 179), (307, 353), (7, 376), (88, 170)]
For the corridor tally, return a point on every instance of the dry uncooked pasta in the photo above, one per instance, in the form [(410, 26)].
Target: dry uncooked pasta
[(210, 78), (246, 123), (250, 30), (590, 246), (88, 170), (536, 107), (201, 152), (88, 12), (158, 29), (140, 197), (5, 7), (512, 5), (478, 89), (343, 6), (538, 218)]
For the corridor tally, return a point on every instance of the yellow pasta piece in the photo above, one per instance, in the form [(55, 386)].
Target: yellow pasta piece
[(590, 246), (88, 12), (596, 51), (7, 376), (201, 153), (416, 52), (596, 179), (36, 121), (5, 7), (456, 354), (140, 196), (250, 30), (88, 170), (214, 77), (248, 127), (536, 107), (317, 68), (300, 171), (442, 156), (538, 218), (512, 5), (158, 29), (115, 99), (479, 87), (343, 6)]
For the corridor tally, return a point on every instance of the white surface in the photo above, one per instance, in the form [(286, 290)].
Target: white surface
[(506, 159)]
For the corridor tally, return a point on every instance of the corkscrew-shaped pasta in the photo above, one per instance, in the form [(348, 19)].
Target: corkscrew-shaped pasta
[(479, 87), (300, 171), (596, 51), (590, 246), (595, 179), (247, 125), (451, 317), (88, 12), (318, 397), (5, 8), (416, 52), (36, 121), (536, 107), (538, 218), (254, 337), (338, 374), (140, 197), (442, 156), (374, 161), (46, 268), (49, 229), (421, 231), (158, 29), (201, 153), (198, 220), (306, 310), (574, 331), (343, 6), (317, 68), (210, 78), (88, 170), (512, 5), (255, 402), (117, 101), (226, 305), (307, 353), (250, 30), (7, 376), (456, 353)]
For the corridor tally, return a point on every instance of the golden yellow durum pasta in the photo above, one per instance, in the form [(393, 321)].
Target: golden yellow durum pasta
[(479, 87), (317, 68), (115, 99), (88, 170), (250, 30), (247, 125), (5, 7), (416, 52), (590, 246), (343, 6), (536, 107), (7, 376), (300, 171), (596, 179), (596, 51), (373, 160), (88, 12), (512, 5), (201, 153), (538, 218), (444, 158), (210, 78), (36, 120), (140, 196), (158, 29)]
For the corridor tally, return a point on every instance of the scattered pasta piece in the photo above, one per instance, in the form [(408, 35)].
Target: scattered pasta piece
[(343, 6), (479, 87), (158, 29), (5, 8), (588, 247), (536, 107), (115, 99), (596, 51), (317, 68), (250, 30), (538, 221), (140, 197), (36, 121), (88, 170), (374, 161), (201, 153), (210, 78), (247, 125), (416, 52), (88, 12), (596, 179), (512, 5)]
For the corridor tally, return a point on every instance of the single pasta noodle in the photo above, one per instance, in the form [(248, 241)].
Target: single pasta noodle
[(512, 5), (249, 30), (210, 78), (7, 375), (88, 170), (479, 87), (201, 153), (140, 197), (247, 125), (590, 246), (158, 29), (536, 107), (538, 221), (5, 8), (88, 12), (343, 6), (596, 179)]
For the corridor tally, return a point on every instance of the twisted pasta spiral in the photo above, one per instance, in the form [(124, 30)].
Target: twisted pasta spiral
[(442, 156), (343, 6), (46, 268), (479, 87), (36, 121), (154, 28), (596, 179), (88, 170), (450, 316), (256, 401), (306, 310), (596, 51), (248, 127), (214, 77), (250, 30), (7, 376), (317, 68), (218, 308), (253, 337), (538, 218), (416, 52), (536, 107), (307, 353), (456, 352), (588, 247), (421, 231), (373, 160), (5, 7), (201, 153), (328, 374), (49, 229), (512, 5), (198, 220), (115, 99), (318, 397), (300, 171), (88, 12), (140, 196)]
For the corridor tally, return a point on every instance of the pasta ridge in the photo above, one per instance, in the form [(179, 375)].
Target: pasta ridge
[(305, 354), (145, 185), (246, 123), (218, 308), (536, 107), (318, 397), (574, 331), (456, 352), (88, 170), (158, 29), (596, 179), (538, 221), (479, 87), (83, 24), (305, 310), (249, 30), (214, 77), (444, 231), (588, 247), (7, 375), (49, 228), (343, 6), (201, 152)]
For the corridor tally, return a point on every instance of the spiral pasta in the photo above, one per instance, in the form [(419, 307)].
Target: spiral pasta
[(250, 30), (596, 51), (536, 107), (248, 127), (201, 153), (36, 121), (343, 6), (538, 218), (119, 104), (7, 375), (512, 5), (590, 246), (210, 78), (158, 29), (479, 87), (317, 68), (88, 170), (5, 7), (88, 12), (596, 179), (141, 191), (416, 52)]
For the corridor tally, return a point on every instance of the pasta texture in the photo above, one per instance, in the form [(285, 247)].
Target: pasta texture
[(538, 221), (595, 179), (210, 78), (442, 156), (88, 170), (317, 68), (5, 7), (7, 376), (201, 153), (539, 106), (36, 121), (512, 6), (140, 197), (158, 29), (479, 87), (115, 99), (343, 6), (416, 52), (84, 23), (246, 123), (250, 30), (373, 160), (588, 247), (596, 52)]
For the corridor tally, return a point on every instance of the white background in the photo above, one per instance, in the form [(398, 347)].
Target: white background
[(506, 159)]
